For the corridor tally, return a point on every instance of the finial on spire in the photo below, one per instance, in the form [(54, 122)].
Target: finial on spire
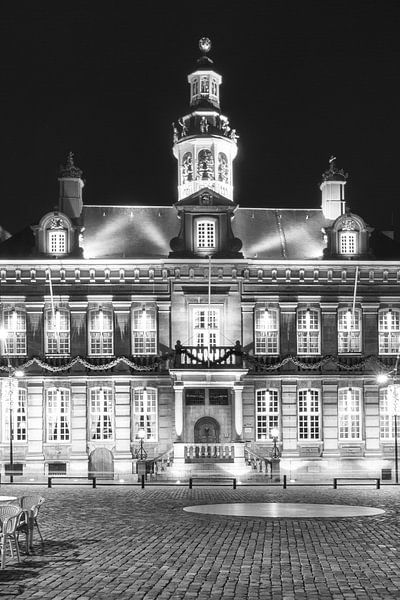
[(333, 172), (205, 45), (70, 169)]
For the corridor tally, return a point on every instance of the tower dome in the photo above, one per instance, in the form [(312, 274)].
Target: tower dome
[(204, 143)]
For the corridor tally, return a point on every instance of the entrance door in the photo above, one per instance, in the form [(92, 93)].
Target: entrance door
[(101, 464), (206, 431)]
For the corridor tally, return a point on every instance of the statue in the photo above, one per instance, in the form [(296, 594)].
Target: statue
[(225, 127), (204, 125), (175, 133), (233, 135), (184, 128)]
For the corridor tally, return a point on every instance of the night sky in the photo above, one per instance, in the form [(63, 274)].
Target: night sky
[(301, 81)]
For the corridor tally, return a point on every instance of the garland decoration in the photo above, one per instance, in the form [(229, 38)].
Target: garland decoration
[(81, 361)]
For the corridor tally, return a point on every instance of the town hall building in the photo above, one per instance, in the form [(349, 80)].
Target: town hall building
[(211, 337)]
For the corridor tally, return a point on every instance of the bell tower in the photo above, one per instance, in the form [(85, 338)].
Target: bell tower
[(204, 143), (332, 187)]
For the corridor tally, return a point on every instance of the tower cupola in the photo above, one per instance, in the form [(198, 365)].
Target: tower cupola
[(332, 187), (204, 143), (71, 184)]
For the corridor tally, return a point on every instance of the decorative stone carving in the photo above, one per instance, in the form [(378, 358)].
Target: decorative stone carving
[(205, 165), (187, 167), (349, 225), (70, 169), (223, 168)]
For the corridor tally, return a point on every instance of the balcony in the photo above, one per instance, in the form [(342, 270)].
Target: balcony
[(210, 357)]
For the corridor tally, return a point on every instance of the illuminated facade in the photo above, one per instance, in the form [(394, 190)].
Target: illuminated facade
[(205, 324)]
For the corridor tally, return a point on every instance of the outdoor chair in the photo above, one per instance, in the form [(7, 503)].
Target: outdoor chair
[(30, 506), (10, 517)]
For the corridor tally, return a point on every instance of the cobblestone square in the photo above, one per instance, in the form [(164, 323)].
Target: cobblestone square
[(129, 543)]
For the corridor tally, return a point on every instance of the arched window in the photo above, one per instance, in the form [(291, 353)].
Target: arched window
[(205, 165), (348, 242), (14, 323), (389, 331), (100, 331), (19, 411), (145, 412), (58, 409), (195, 87), (101, 413), (349, 330), (57, 328), (205, 234), (309, 417), (308, 331), (349, 413), (144, 330), (214, 87), (267, 413), (266, 331), (223, 168), (187, 167), (204, 85)]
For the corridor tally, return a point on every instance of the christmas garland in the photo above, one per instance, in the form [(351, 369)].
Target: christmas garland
[(81, 361)]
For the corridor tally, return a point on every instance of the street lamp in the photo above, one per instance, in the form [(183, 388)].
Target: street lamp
[(141, 434), (12, 392), (275, 450), (393, 403)]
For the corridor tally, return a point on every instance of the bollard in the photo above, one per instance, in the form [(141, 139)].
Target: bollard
[(234, 484), (378, 484), (49, 482), (143, 482), (284, 482), (94, 483), (334, 483), (190, 483)]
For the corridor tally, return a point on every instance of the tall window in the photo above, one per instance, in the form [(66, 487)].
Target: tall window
[(205, 234), (144, 330), (101, 410), (389, 331), (309, 414), (57, 331), (348, 242), (206, 326), (266, 334), (386, 416), (308, 331), (14, 323), (349, 330), (349, 411), (145, 412), (100, 331), (18, 413), (58, 415), (267, 413), (57, 241)]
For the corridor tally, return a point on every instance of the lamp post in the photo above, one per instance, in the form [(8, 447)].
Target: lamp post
[(12, 385), (142, 455), (275, 455)]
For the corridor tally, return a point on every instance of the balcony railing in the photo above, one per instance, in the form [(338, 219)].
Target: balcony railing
[(209, 453), (208, 356)]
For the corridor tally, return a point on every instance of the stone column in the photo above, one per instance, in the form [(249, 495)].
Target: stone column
[(178, 389), (238, 403)]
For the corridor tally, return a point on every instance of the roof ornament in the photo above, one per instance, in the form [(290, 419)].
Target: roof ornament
[(70, 169), (205, 45), (333, 172)]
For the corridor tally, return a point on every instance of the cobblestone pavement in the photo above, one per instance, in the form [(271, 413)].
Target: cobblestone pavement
[(129, 543)]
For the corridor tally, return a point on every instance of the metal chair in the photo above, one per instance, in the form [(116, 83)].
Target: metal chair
[(30, 506), (10, 518)]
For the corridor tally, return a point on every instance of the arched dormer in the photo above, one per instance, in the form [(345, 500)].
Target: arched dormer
[(347, 238), (56, 235)]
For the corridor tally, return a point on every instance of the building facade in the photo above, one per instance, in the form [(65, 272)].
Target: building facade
[(218, 332)]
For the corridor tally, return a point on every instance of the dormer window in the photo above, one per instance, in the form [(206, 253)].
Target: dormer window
[(206, 234), (57, 241), (348, 242), (55, 235)]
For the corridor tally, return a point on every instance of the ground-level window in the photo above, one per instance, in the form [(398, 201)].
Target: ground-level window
[(19, 411), (309, 417), (58, 409), (101, 413), (389, 406), (145, 412), (267, 413), (349, 413)]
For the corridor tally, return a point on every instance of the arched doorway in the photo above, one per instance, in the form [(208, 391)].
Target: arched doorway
[(206, 431), (101, 464)]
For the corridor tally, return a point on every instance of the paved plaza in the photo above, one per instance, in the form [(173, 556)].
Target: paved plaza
[(129, 543)]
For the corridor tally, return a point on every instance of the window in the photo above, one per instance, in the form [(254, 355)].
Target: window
[(14, 322), (309, 414), (214, 88), (101, 410), (267, 413), (389, 331), (18, 413), (205, 165), (195, 396), (145, 412), (349, 331), (144, 330), (386, 415), (266, 334), (195, 87), (206, 326), (349, 411), (205, 234), (348, 242), (57, 331), (100, 331), (308, 332), (205, 85), (187, 167), (223, 167), (57, 241), (58, 415)]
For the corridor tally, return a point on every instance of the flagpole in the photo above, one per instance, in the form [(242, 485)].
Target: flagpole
[(209, 309)]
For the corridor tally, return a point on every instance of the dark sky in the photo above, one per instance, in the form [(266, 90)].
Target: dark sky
[(301, 80)]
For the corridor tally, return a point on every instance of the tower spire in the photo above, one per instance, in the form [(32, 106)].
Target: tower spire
[(71, 184), (204, 143), (332, 187)]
